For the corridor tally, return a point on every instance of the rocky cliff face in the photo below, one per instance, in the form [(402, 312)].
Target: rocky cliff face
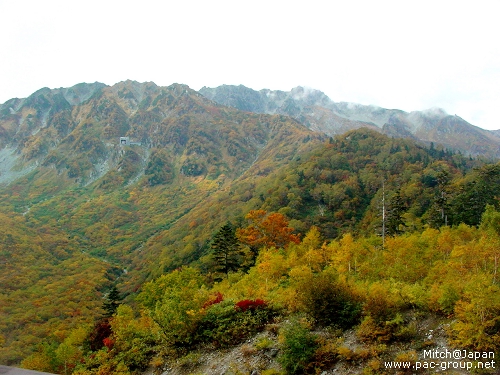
[(76, 132)]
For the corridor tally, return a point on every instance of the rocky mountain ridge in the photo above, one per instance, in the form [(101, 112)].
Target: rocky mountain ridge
[(318, 112), (77, 131), (22, 119)]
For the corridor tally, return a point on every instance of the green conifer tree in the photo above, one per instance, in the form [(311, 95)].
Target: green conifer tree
[(226, 250), (395, 214), (112, 302), (438, 213)]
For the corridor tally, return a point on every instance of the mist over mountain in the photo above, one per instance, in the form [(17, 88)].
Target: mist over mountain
[(315, 110)]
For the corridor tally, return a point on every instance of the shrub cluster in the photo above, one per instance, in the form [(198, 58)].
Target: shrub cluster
[(227, 323), (298, 347), (331, 303), (247, 304)]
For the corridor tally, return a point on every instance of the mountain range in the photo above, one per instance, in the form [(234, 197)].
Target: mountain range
[(37, 130), (46, 127)]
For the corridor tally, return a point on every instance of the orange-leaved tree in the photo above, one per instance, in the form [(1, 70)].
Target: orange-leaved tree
[(266, 230)]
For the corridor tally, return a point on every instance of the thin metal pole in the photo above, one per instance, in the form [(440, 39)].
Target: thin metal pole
[(383, 214)]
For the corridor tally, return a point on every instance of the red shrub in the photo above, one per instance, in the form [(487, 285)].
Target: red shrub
[(248, 304), (108, 343), (101, 330), (213, 300)]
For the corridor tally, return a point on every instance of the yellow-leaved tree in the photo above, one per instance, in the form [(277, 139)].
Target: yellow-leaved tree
[(478, 315), (175, 301)]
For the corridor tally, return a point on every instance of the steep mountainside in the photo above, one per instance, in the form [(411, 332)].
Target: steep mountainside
[(187, 142), (64, 174), (75, 133), (315, 110)]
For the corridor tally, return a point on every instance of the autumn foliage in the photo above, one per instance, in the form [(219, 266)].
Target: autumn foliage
[(247, 304), (348, 283), (266, 230), (214, 299), (312, 239)]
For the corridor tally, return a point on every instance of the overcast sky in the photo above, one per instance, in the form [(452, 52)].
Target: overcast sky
[(410, 55)]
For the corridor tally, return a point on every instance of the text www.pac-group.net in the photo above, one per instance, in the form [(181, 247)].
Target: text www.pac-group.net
[(447, 360)]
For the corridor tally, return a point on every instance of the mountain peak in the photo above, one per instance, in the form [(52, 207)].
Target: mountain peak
[(435, 112)]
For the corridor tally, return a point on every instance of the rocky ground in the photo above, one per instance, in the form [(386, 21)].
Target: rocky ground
[(259, 355)]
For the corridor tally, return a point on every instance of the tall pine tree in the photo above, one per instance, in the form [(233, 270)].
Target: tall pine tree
[(226, 250), (438, 213), (395, 221), (112, 302)]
